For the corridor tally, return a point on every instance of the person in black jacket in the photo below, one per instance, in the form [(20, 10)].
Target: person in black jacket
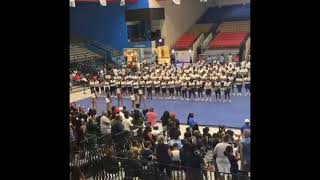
[(234, 168), (165, 119), (162, 152), (116, 125)]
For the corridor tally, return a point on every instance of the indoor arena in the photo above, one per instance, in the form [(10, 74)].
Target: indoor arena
[(160, 89)]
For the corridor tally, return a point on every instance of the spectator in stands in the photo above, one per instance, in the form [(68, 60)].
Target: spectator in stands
[(165, 119), (76, 174), (221, 161), (221, 60), (191, 121), (110, 163), (132, 167), (135, 147), (162, 154), (195, 127), (192, 159), (174, 153), (137, 119), (174, 126), (175, 140), (206, 136), (245, 151), (246, 126), (127, 122), (116, 125), (91, 128), (148, 136), (234, 168), (105, 124), (152, 117), (188, 133), (155, 130), (147, 154)]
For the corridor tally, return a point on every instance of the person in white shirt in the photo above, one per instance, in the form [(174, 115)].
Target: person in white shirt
[(94, 100), (135, 85), (96, 86), (107, 87), (184, 87), (141, 91), (127, 122), (113, 87), (208, 87), (163, 85), (156, 85), (199, 85), (177, 87), (217, 90), (105, 124), (149, 88), (171, 88), (246, 81), (129, 86), (91, 84), (108, 103), (222, 161), (231, 80), (192, 89), (227, 87), (239, 82)]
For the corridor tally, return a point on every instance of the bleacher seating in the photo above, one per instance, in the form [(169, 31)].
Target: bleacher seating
[(186, 41), (78, 53), (228, 40), (201, 28), (226, 13), (234, 26)]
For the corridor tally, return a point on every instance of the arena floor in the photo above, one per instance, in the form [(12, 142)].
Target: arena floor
[(231, 115)]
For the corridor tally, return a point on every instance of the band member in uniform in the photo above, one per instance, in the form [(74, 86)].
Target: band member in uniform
[(94, 100), (231, 80), (101, 87), (199, 85), (96, 86), (239, 82), (208, 87), (141, 91), (184, 88), (124, 87), (108, 103), (119, 93), (133, 101), (135, 85), (171, 88), (129, 86), (156, 85), (192, 89), (107, 87), (163, 85), (113, 87), (247, 85), (91, 84), (217, 86), (149, 88), (227, 87), (177, 85)]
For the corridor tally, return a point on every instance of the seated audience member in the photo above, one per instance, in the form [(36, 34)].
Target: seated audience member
[(175, 140), (132, 166)]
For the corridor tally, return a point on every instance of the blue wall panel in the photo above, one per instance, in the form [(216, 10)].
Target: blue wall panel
[(103, 24)]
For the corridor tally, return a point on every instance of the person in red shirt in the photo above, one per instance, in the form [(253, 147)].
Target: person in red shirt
[(152, 117)]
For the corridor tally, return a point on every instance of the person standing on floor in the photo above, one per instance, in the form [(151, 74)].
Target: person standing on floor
[(208, 87), (165, 119), (239, 82), (219, 159)]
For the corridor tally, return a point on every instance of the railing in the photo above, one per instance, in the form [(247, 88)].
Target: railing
[(89, 155)]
